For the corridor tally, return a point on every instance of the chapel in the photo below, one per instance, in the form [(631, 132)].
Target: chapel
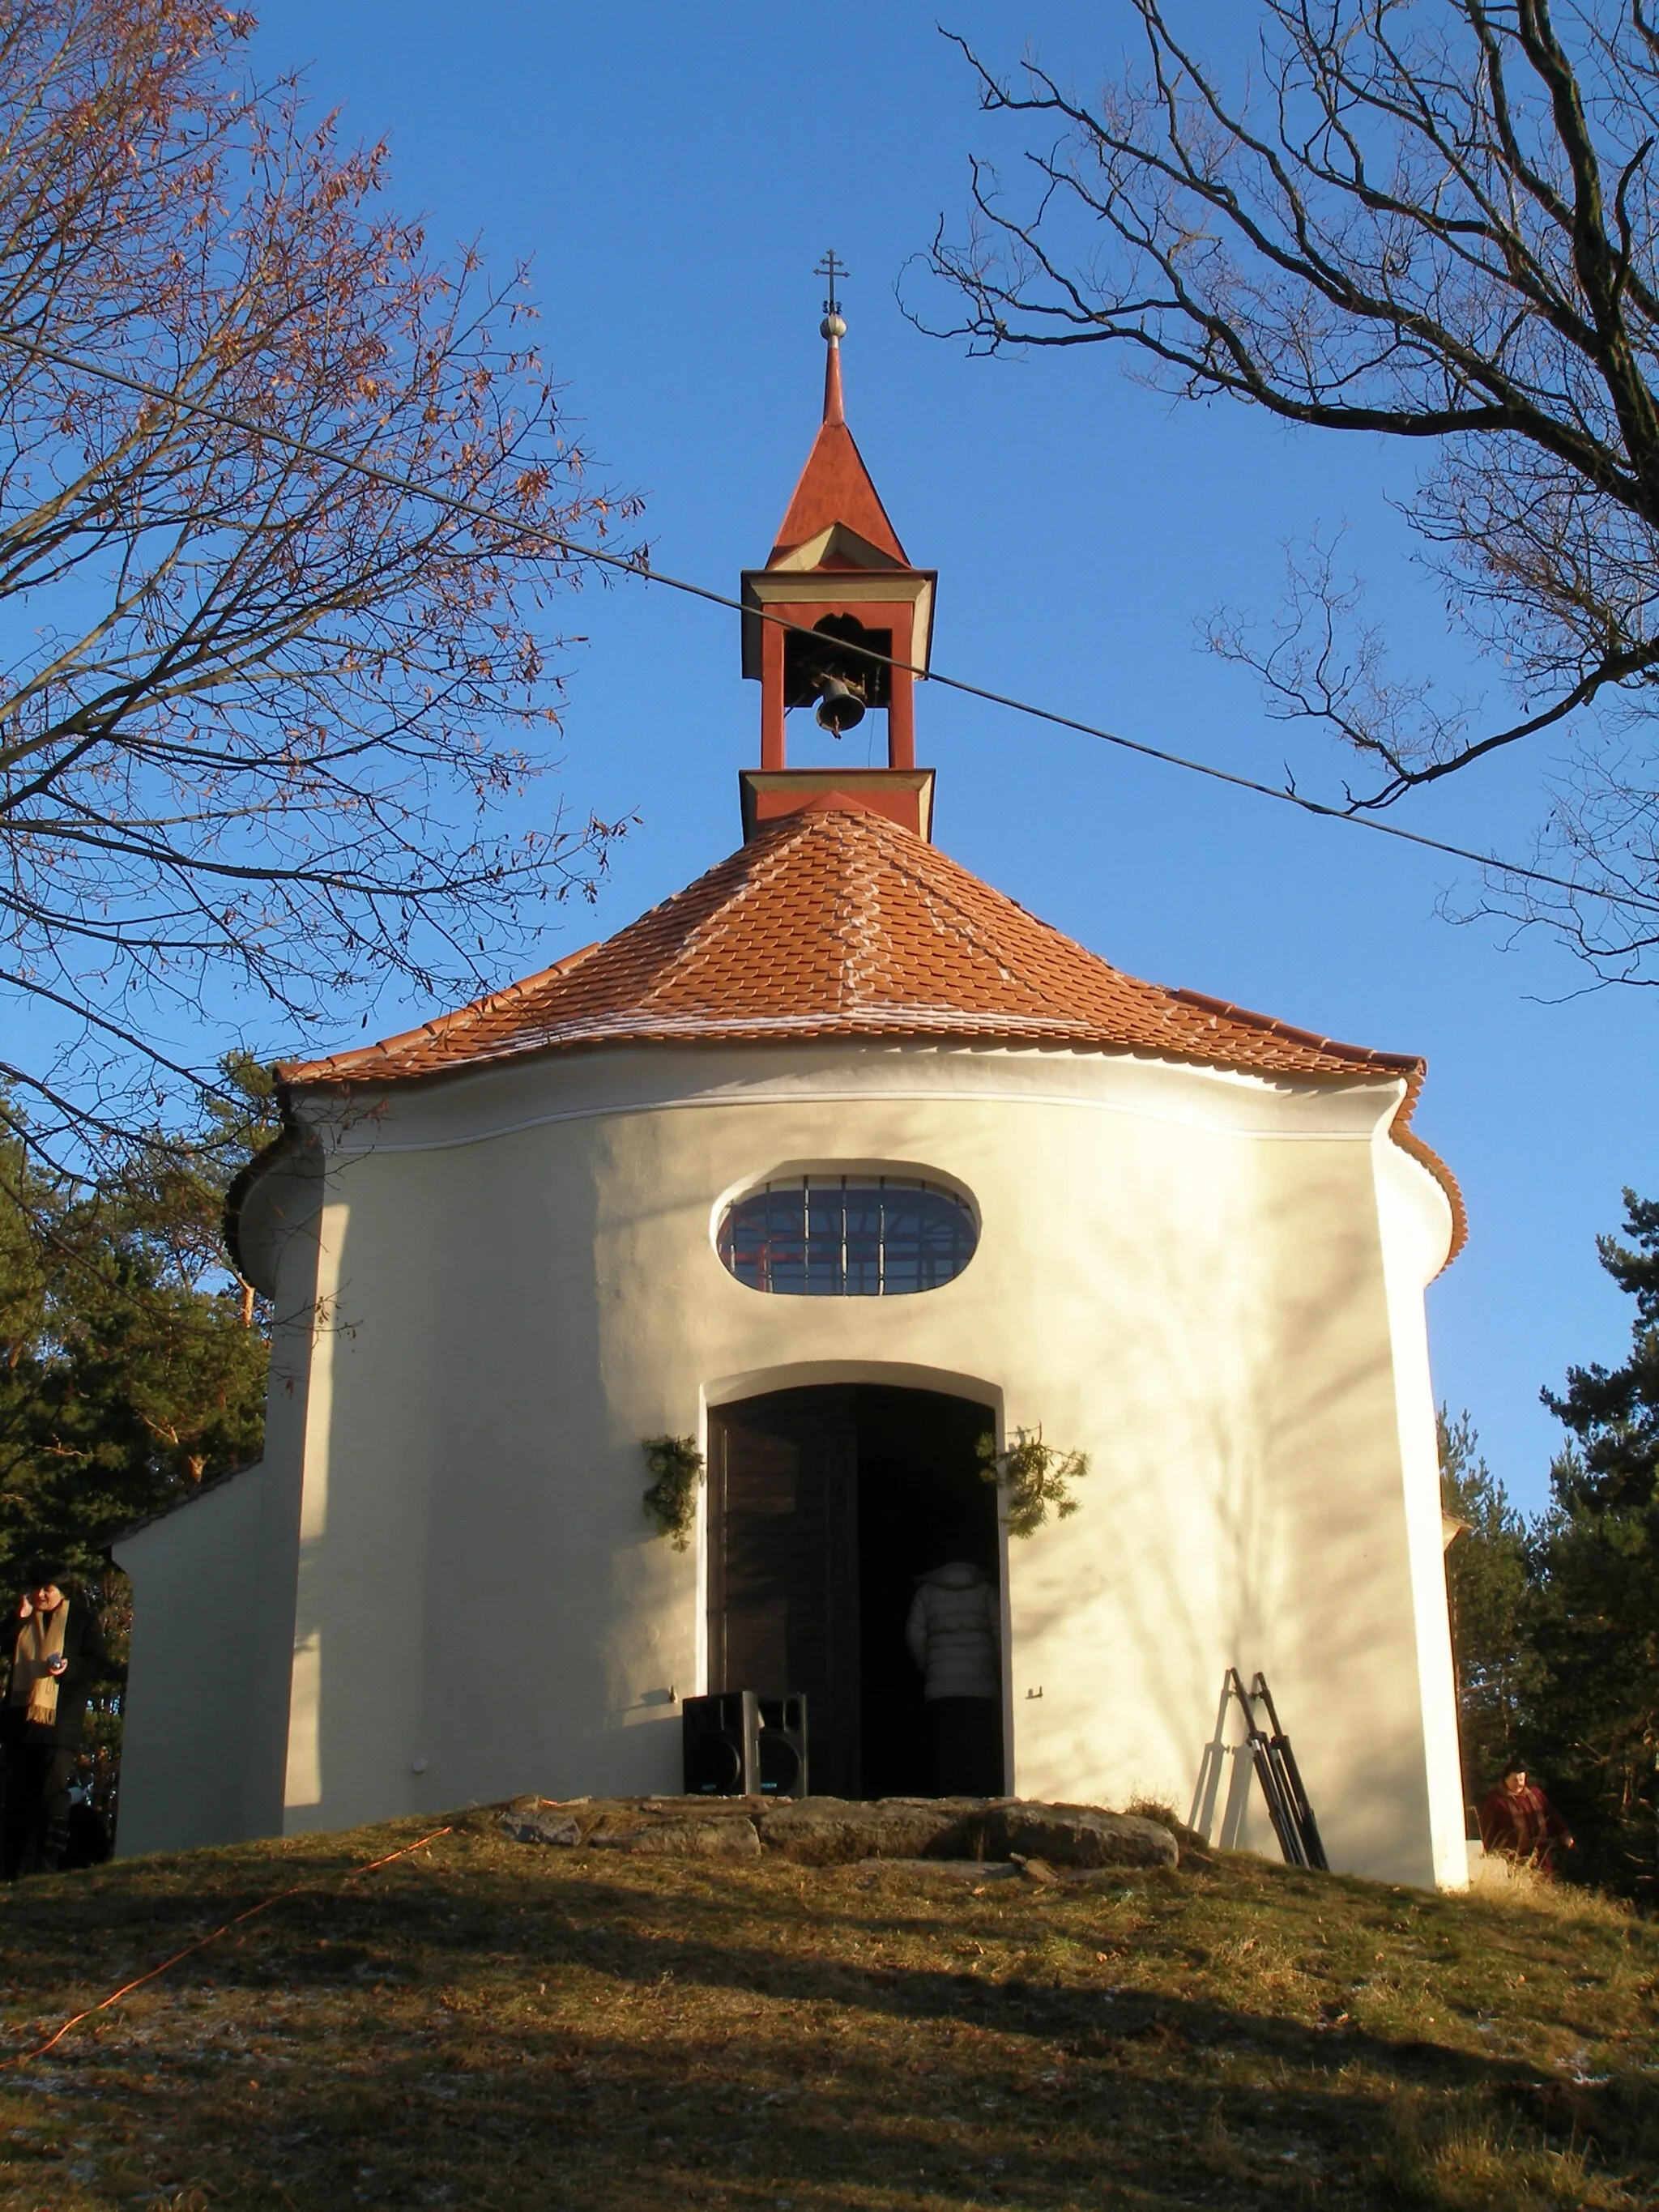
[(833, 1166)]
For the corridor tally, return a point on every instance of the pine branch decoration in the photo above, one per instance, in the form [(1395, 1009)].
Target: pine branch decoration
[(1035, 1479), (675, 1466)]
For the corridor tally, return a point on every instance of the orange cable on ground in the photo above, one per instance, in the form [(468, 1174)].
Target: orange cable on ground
[(212, 1936)]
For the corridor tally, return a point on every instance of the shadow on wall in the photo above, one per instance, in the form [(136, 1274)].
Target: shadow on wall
[(1177, 1512), (1269, 1447), (1233, 1762)]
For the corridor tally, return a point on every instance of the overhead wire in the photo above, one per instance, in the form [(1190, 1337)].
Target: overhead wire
[(638, 567)]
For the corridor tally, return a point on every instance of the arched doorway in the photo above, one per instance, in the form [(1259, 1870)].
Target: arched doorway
[(826, 1506)]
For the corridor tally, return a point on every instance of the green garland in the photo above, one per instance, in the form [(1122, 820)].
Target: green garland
[(676, 1465), (1033, 1478)]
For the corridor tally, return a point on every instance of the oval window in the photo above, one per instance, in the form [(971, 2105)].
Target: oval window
[(837, 1236)]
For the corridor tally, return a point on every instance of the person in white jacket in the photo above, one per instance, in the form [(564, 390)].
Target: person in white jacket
[(953, 1634)]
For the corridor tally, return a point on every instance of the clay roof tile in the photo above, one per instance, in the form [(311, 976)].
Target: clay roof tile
[(835, 922)]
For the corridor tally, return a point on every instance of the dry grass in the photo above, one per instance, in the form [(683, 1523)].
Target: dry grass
[(1498, 1880), (495, 2026)]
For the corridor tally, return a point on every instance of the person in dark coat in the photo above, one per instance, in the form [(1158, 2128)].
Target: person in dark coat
[(1518, 1821), (56, 1647)]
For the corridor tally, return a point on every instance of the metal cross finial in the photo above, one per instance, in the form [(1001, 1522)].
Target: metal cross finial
[(832, 267)]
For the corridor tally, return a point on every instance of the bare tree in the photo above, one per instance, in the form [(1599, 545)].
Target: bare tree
[(1433, 219), (259, 696)]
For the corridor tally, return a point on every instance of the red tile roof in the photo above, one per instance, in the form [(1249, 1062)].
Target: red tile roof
[(835, 922)]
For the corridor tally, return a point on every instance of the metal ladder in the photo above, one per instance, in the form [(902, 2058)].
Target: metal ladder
[(1280, 1778)]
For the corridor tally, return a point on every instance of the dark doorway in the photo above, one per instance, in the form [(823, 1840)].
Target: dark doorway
[(826, 1506)]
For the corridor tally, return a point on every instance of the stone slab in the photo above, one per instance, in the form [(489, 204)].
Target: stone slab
[(837, 1831), (833, 1831), (685, 1840), (541, 1825), (841, 1832), (1074, 1836)]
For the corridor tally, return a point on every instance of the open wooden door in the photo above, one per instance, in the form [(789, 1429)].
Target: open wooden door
[(826, 1506)]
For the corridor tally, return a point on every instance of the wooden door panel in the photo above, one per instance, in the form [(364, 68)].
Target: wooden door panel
[(783, 1594)]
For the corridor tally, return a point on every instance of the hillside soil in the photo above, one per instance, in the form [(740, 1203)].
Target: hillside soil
[(494, 2025)]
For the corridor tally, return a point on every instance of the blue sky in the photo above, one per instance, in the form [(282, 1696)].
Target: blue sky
[(674, 172)]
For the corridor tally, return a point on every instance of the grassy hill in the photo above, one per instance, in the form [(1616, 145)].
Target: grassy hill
[(487, 2025)]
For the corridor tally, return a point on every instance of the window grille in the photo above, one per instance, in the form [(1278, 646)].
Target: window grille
[(826, 1235)]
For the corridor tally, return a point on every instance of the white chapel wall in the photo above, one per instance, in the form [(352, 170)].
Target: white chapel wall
[(206, 1709), (191, 1671), (1180, 1273), (1414, 1215)]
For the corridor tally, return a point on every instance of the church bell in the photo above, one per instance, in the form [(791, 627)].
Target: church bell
[(840, 707)]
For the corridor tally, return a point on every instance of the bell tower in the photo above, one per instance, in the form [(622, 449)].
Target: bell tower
[(838, 620)]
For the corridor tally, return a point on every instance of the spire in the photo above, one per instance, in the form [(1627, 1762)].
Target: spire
[(835, 411), (832, 330), (838, 621), (835, 488)]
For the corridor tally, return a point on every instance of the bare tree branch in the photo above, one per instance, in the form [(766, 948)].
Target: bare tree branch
[(258, 705), (1439, 222)]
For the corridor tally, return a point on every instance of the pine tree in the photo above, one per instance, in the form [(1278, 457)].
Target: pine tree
[(1595, 1563), (132, 1361), (1488, 1592)]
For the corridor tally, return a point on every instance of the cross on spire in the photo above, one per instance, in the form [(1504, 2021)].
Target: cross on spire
[(832, 266), (832, 330)]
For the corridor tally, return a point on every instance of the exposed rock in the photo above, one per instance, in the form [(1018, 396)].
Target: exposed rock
[(548, 1823), (705, 1807), (1073, 1836), (685, 1840), (837, 1831), (833, 1832)]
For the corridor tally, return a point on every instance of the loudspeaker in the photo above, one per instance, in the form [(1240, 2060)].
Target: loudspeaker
[(739, 1744), (720, 1737), (783, 1746)]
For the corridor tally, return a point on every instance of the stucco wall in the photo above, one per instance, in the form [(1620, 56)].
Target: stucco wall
[(1413, 1247), (1182, 1273), (190, 1676), (205, 1730)]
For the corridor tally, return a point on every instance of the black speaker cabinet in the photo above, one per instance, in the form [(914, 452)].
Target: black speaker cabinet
[(783, 1746), (722, 1740), (739, 1744)]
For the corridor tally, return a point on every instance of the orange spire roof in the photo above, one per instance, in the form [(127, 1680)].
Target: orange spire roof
[(835, 922), (834, 485)]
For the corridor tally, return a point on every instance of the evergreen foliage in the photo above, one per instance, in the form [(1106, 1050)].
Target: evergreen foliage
[(671, 1502), (1595, 1569), (1489, 1592), (1555, 1624), (1035, 1479), (132, 1363)]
